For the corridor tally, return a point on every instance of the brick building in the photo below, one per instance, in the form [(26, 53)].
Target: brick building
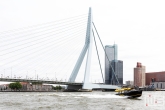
[(139, 75), (155, 77), (35, 87), (30, 87)]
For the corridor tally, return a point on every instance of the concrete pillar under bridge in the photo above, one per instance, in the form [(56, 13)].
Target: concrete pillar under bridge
[(90, 87), (73, 88)]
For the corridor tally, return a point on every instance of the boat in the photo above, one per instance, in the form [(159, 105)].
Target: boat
[(129, 92), (160, 89)]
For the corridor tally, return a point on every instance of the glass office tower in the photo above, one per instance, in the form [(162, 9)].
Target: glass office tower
[(112, 62), (110, 55), (118, 68)]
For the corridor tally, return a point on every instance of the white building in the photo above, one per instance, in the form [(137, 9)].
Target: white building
[(2, 87), (158, 85), (129, 83)]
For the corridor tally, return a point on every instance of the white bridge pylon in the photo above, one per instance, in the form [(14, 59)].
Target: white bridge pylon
[(87, 49)]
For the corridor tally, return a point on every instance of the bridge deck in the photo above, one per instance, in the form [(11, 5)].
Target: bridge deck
[(39, 81), (90, 85)]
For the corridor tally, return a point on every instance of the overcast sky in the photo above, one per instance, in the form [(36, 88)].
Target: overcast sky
[(137, 27)]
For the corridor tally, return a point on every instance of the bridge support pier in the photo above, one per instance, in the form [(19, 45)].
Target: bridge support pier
[(73, 88)]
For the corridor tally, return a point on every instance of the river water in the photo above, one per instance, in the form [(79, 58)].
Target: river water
[(95, 100)]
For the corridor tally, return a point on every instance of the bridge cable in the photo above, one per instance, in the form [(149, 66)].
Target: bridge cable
[(98, 56), (37, 25), (28, 45), (105, 53), (73, 27), (50, 59), (56, 27), (30, 53), (42, 49), (67, 55), (40, 52)]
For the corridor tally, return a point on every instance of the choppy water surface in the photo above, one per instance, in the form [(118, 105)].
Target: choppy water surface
[(79, 101)]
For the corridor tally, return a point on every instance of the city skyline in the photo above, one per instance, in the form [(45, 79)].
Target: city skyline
[(136, 26)]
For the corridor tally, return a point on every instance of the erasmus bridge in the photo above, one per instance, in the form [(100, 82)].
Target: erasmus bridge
[(85, 55)]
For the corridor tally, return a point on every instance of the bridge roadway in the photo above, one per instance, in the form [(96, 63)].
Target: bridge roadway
[(71, 85), (40, 81)]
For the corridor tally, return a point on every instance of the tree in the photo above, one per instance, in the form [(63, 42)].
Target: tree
[(15, 86), (57, 87), (54, 88), (11, 85)]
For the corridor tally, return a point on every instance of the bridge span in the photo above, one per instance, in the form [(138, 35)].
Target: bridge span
[(71, 85), (39, 81)]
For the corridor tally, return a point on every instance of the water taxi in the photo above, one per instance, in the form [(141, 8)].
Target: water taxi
[(129, 92)]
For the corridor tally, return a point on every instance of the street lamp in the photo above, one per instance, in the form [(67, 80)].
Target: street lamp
[(35, 74), (27, 75), (55, 76), (4, 72), (11, 72)]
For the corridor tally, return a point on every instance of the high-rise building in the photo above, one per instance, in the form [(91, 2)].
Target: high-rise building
[(111, 53), (113, 65), (139, 75), (117, 67)]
